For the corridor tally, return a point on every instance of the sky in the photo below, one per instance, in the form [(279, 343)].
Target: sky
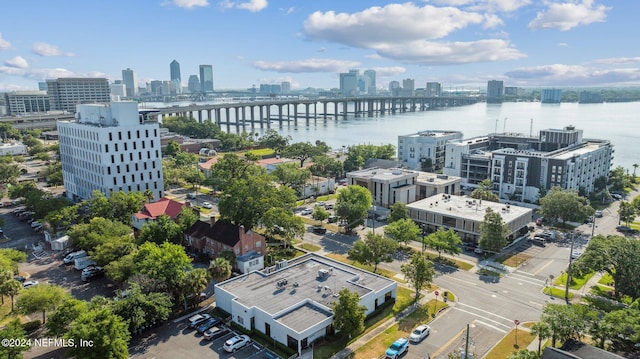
[(459, 43)]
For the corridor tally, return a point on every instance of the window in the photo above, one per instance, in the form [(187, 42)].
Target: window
[(119, 136), (106, 148)]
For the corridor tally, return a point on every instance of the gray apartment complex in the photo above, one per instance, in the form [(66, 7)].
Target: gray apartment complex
[(66, 93)]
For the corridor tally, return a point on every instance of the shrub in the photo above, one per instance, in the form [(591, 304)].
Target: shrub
[(32, 325)]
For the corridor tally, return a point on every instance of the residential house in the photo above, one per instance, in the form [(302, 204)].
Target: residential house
[(151, 211)]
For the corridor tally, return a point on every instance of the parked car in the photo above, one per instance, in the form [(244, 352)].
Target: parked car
[(91, 272), (575, 255), (419, 333), (204, 326), (71, 257), (29, 284), (478, 250), (197, 319), (191, 195), (19, 278), (207, 205), (399, 347), (306, 211), (537, 240), (599, 214), (332, 219), (236, 343), (319, 230), (215, 333)]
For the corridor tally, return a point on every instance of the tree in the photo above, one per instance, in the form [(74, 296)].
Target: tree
[(444, 241), (635, 167), (348, 314), (90, 235), (483, 192), (9, 258), (172, 148), (274, 140), (373, 250), (320, 214), (284, 223), (523, 354), (11, 288), (119, 206), (163, 229), (353, 205), (220, 269), (325, 166), (41, 297), (70, 309), (106, 331), (166, 262), (140, 309), (617, 256), (564, 321), (403, 231), (187, 218), (358, 154), (302, 151), (566, 205), (289, 174), (621, 328), (542, 331), (627, 212), (9, 173), (493, 232), (399, 211), (231, 167), (618, 179), (113, 248), (418, 272), (193, 283), (14, 331)]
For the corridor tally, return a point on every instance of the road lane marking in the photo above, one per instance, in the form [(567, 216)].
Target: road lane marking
[(447, 344), (464, 281), (491, 326), (482, 310), (543, 267), (538, 304)]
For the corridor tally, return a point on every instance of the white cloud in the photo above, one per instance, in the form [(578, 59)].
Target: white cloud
[(443, 53), (407, 33), (44, 49), (251, 5), (4, 44), (562, 44), (373, 56), (41, 74), (18, 62), (307, 65), (190, 4), (573, 75), (486, 5), (566, 16), (278, 80), (618, 60)]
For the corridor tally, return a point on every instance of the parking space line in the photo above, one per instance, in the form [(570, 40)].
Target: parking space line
[(491, 326)]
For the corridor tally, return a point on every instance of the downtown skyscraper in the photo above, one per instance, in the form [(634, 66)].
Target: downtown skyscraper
[(206, 78), (130, 81), (176, 79)]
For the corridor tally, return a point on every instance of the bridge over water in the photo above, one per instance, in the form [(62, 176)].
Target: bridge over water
[(241, 114)]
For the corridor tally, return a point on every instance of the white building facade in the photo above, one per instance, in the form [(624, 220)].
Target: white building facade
[(415, 148), (109, 147), (387, 186)]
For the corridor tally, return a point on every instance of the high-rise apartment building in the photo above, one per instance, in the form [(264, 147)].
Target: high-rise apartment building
[(193, 84), (495, 91), (370, 82), (425, 150), (408, 87), (206, 78), (26, 102), (110, 147), (433, 89), (66, 93), (285, 87), (130, 81), (349, 83)]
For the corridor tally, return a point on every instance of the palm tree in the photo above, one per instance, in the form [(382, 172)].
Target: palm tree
[(220, 269), (11, 288), (635, 165), (543, 331)]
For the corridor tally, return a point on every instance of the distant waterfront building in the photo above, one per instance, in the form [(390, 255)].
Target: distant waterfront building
[(519, 165), (155, 87), (66, 93), (285, 87), (206, 78), (26, 102), (42, 86), (394, 88), (370, 82), (271, 89), (495, 91), (130, 81), (408, 87), (510, 91), (418, 148), (590, 97), (349, 83), (433, 89), (110, 147), (174, 69), (551, 96), (193, 84)]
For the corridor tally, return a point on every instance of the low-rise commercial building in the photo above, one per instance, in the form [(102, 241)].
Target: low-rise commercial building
[(465, 215), (430, 184), (291, 302), (387, 186)]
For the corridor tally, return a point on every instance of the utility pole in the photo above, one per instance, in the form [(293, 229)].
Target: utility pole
[(466, 345), (566, 289)]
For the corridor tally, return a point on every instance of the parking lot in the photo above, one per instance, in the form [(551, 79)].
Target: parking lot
[(175, 339)]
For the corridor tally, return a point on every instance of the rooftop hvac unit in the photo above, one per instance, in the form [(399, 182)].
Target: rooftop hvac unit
[(323, 273)]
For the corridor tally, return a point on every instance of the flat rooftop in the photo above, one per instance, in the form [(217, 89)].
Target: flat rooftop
[(436, 179), (290, 302), (382, 174), (467, 207), (434, 133), (570, 153)]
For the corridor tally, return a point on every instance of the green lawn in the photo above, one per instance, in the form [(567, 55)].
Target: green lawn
[(310, 247), (262, 152), (510, 343), (380, 271), (556, 292), (606, 279), (576, 282)]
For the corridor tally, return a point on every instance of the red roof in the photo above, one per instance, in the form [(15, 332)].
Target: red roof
[(162, 206), (207, 165)]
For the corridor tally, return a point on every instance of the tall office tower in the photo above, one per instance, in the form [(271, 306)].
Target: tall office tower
[(408, 87), (495, 91), (193, 84), (370, 82), (175, 76), (110, 147), (66, 93), (551, 96), (155, 87), (349, 83), (206, 78), (130, 81), (434, 89), (285, 87), (394, 88)]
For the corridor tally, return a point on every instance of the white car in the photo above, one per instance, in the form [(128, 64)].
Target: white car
[(575, 255), (419, 333), (236, 343), (306, 211), (29, 284), (207, 205)]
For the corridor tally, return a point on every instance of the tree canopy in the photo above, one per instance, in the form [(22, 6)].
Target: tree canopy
[(403, 231), (493, 232), (41, 297), (353, 206), (483, 192), (565, 205), (348, 313), (418, 272), (373, 250), (444, 241)]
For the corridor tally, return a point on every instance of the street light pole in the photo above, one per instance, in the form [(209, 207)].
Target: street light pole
[(566, 289)]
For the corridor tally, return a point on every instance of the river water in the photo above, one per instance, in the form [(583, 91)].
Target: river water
[(617, 122)]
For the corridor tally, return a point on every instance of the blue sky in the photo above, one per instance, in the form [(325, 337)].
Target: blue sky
[(460, 43)]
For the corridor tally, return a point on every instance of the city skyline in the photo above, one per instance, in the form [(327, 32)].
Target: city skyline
[(459, 43)]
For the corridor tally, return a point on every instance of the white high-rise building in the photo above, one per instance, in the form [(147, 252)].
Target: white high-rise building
[(370, 82), (425, 150), (110, 147)]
